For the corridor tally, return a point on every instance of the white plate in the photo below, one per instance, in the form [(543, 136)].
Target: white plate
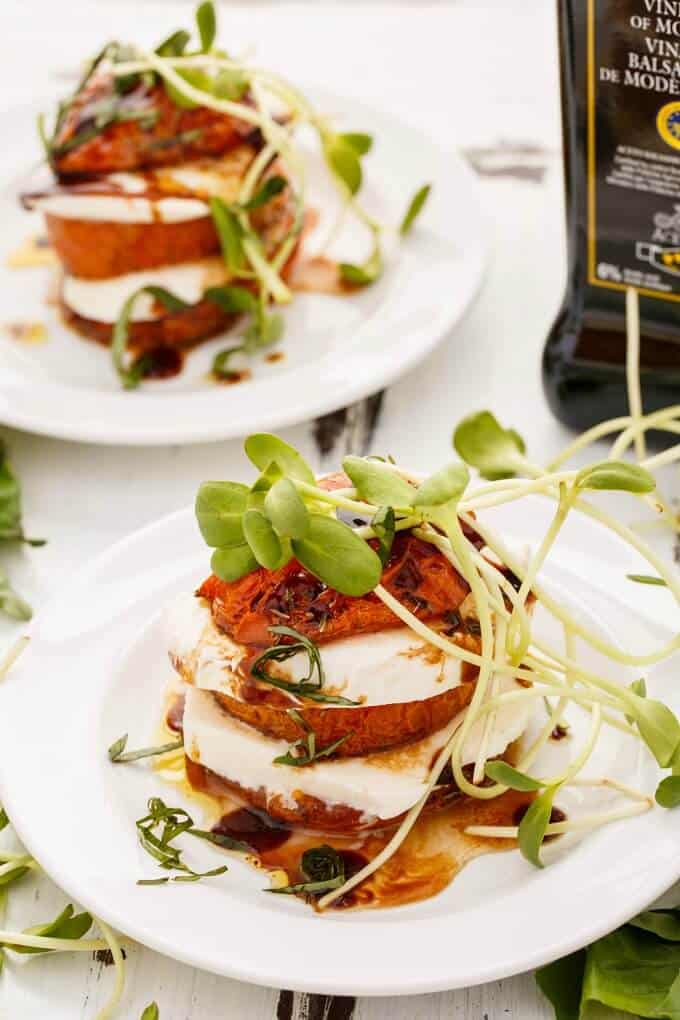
[(337, 349), (95, 668)]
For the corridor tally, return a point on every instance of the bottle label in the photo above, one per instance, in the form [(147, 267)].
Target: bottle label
[(633, 144)]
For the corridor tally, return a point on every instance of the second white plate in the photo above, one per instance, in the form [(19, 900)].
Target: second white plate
[(336, 349)]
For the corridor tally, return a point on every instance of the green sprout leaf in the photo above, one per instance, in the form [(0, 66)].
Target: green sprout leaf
[(378, 483), (230, 233), (668, 792), (4, 819), (264, 449), (414, 208), (445, 486), (231, 84), (658, 727), (220, 366), (11, 527), (66, 926), (360, 142), (220, 507), (233, 562), (131, 375), (285, 509), (343, 160), (338, 557), (647, 579), (174, 45), (206, 22), (616, 475), (151, 1012), (383, 526), (483, 443), (272, 186), (511, 777), (232, 299), (264, 330), (534, 824), (366, 273), (262, 539)]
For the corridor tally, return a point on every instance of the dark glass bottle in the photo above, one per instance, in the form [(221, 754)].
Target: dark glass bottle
[(620, 70)]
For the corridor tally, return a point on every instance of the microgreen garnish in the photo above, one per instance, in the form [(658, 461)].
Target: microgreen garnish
[(156, 832), (382, 523), (67, 925), (151, 1012), (324, 869), (220, 366), (533, 826), (12, 530), (206, 22), (310, 687), (647, 579), (4, 819), (272, 186), (414, 208), (379, 483), (511, 777), (230, 233), (305, 751), (131, 375), (444, 486), (117, 752), (483, 443), (367, 273), (613, 475)]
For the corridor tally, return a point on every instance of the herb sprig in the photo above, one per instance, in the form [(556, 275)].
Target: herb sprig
[(324, 869), (311, 685), (305, 751), (11, 531), (117, 752)]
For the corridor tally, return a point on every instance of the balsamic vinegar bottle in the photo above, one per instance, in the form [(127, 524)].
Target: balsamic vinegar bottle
[(620, 74)]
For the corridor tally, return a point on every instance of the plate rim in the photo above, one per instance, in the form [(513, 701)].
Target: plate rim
[(260, 971), (27, 417)]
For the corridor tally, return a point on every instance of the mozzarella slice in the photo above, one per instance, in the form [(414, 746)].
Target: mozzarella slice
[(102, 300), (390, 667), (379, 786)]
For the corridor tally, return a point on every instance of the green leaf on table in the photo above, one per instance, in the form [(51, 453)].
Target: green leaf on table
[(206, 22), (378, 483), (534, 824), (663, 923), (511, 777), (615, 475), (561, 982), (414, 208), (383, 526), (4, 819), (338, 557), (343, 160), (647, 579), (634, 971), (233, 562), (285, 509), (18, 870), (483, 443), (360, 142), (11, 527), (150, 1012), (66, 926), (444, 486), (264, 449), (220, 507)]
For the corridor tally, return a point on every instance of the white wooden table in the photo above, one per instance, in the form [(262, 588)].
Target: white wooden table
[(482, 76)]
